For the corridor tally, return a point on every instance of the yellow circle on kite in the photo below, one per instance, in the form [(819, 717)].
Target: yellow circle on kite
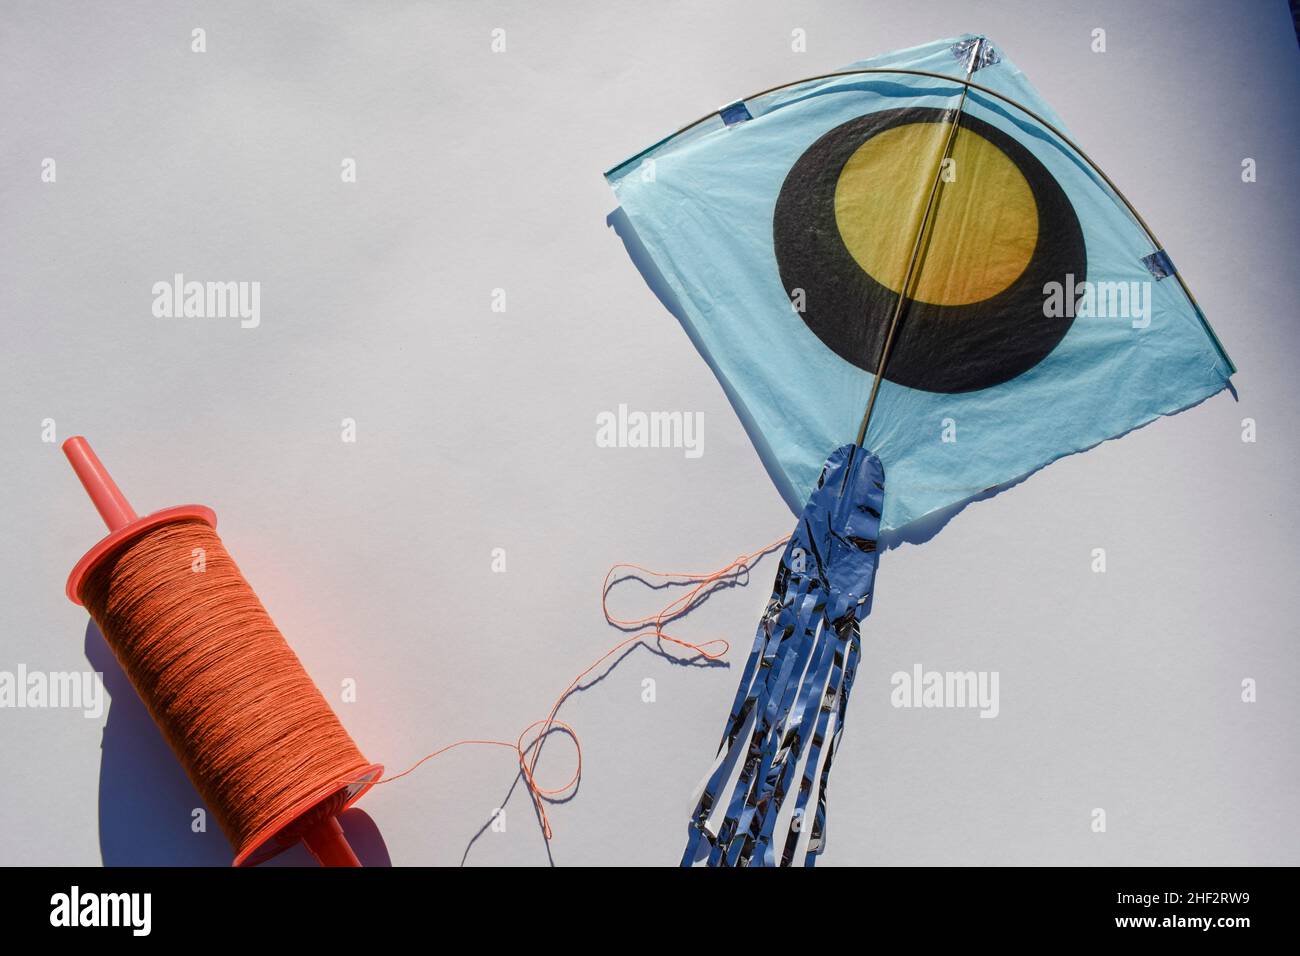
[(982, 229)]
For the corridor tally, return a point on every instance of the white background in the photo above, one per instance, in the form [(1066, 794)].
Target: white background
[(476, 429)]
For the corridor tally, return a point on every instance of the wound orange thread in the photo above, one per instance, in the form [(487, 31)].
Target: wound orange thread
[(528, 748), (252, 730)]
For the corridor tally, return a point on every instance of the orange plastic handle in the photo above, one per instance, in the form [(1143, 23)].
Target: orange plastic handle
[(328, 844), (108, 498)]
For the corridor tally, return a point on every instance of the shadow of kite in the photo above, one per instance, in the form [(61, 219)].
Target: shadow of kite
[(637, 252)]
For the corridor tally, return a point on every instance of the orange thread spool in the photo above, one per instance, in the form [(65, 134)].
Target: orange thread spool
[(259, 741)]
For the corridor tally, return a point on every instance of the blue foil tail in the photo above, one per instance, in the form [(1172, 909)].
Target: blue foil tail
[(763, 803)]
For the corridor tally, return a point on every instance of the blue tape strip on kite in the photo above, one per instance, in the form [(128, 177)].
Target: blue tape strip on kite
[(734, 113), (1159, 264)]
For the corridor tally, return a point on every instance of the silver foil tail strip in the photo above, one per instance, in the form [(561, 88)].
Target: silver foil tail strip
[(774, 760)]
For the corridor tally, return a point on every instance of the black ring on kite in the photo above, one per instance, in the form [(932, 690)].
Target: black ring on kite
[(971, 85), (940, 348)]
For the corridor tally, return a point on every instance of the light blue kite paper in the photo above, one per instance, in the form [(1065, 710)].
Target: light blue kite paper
[(702, 204)]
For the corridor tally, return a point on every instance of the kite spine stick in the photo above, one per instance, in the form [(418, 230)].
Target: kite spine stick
[(917, 245)]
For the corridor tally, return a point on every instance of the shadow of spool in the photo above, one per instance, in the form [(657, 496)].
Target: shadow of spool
[(148, 807)]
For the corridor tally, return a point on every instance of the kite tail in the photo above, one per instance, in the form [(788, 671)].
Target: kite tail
[(763, 802)]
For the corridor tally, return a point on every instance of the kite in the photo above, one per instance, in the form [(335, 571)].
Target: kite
[(874, 262)]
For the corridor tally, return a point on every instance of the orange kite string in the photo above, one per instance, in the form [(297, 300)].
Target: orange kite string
[(528, 749)]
